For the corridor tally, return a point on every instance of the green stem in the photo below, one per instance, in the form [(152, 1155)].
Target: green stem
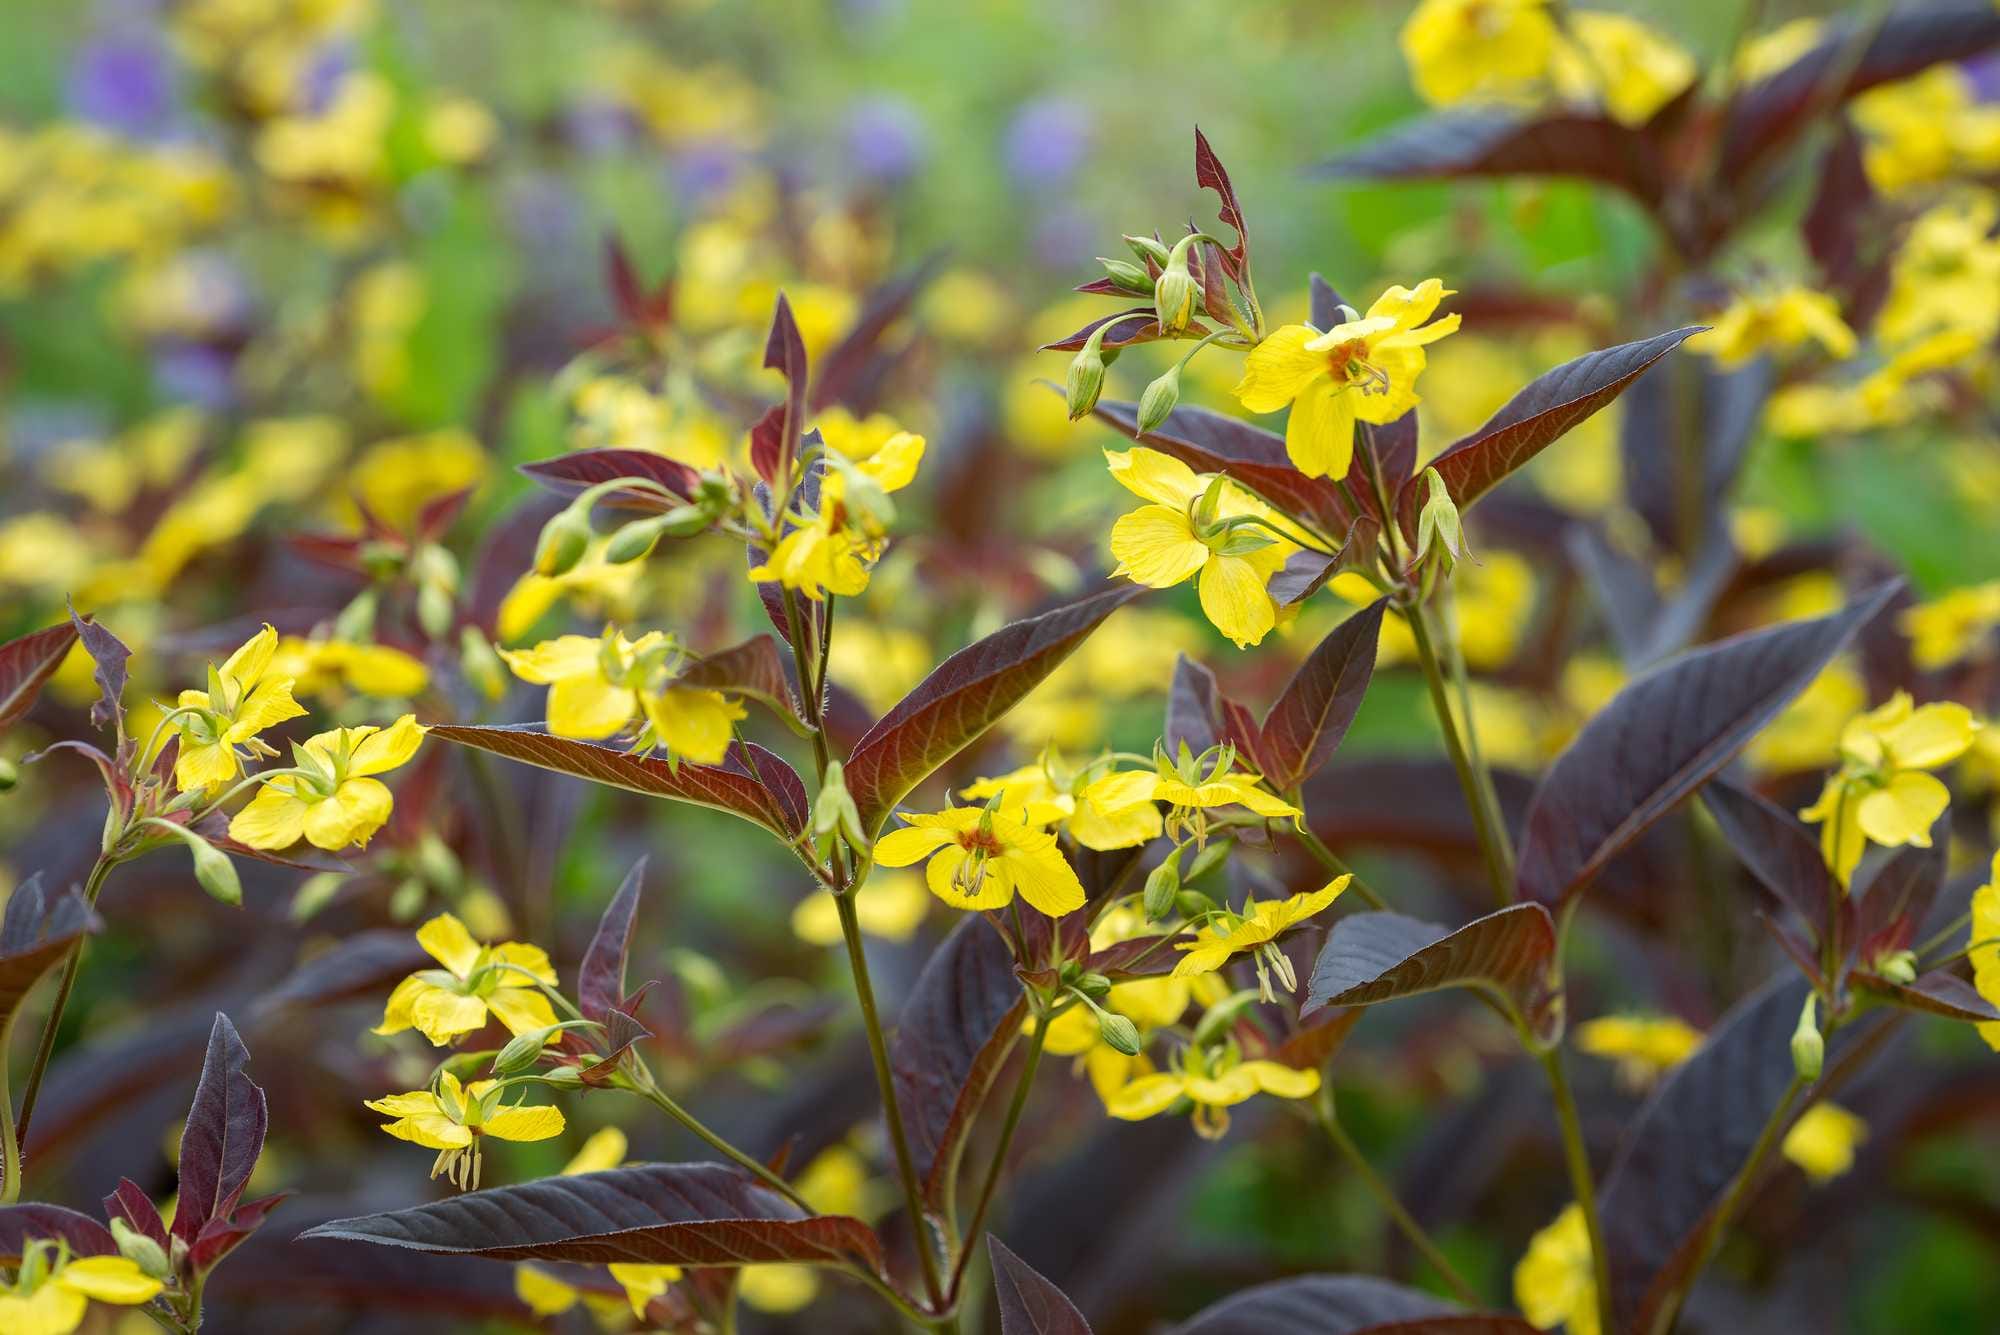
[(46, 1048), (1454, 658), (1578, 1158), (1015, 1107), (1385, 1196), (10, 1190), (1485, 819), (660, 1099), (1334, 863), (1740, 1184)]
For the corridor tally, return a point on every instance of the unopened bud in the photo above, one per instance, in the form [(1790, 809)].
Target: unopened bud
[(1899, 966), (1086, 373), (10, 775), (356, 622), (480, 664), (439, 865), (1163, 883), (1808, 1047), (635, 541), (1159, 399), (1127, 276), (835, 810), (1092, 985), (315, 893), (213, 869), (139, 1249), (1175, 290), (522, 1049), (564, 1077), (435, 609), (563, 542), (1438, 523), (1119, 1032), (1146, 248)]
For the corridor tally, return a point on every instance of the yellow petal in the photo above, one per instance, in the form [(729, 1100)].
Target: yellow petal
[(1118, 793), (433, 1131), (356, 810), (49, 1310), (900, 848), (605, 1149), (446, 940), (1904, 812), (552, 661), (995, 890), (525, 1122), (521, 1009), (1234, 600), (544, 1294), (894, 465), (271, 703), (1277, 370), (1319, 435), (108, 1279), (589, 707), (384, 750), (273, 819), (1148, 1096), (1156, 546), (417, 1103), (1931, 736), (643, 1283), (204, 766), (530, 958), (1155, 476), (396, 1014), (246, 666), (694, 723), (1286, 1082), (1044, 878), (1099, 830), (442, 1015)]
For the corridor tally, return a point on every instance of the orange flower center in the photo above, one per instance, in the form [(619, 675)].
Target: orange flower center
[(981, 841)]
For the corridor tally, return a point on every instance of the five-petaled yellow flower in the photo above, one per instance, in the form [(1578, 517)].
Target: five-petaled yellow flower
[(443, 1003), (1364, 369), (1555, 1283), (599, 686), (979, 858), (243, 698), (1775, 321), (1200, 527), (335, 801), (51, 1290), (830, 549), (1191, 787), (1881, 791), (453, 1119), (1489, 49), (1257, 930), (1051, 785), (1214, 1082)]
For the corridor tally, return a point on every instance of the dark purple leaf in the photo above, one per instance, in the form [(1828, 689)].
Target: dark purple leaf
[(1451, 144), (28, 662), (1545, 409), (1896, 896), (224, 1234), (767, 444), (360, 966), (958, 1025), (109, 653), (1306, 572), (35, 1222), (1663, 736), (1343, 1305), (628, 294), (752, 668), (1315, 1043), (1626, 594), (131, 1203), (1209, 174), (1934, 993), (1509, 955), (568, 474), (1029, 1304), (848, 374), (771, 593), (1726, 408), (1191, 708), (1312, 714), (692, 1214), (785, 353), (1126, 329), (600, 979), (963, 697), (751, 783), (439, 513), (41, 926), (1841, 199), (1777, 849), (223, 1135)]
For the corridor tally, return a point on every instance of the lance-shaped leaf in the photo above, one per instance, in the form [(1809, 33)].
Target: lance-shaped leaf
[(1343, 1305), (1898, 894), (1663, 736), (852, 372), (1545, 410), (40, 927), (751, 782), (1311, 716), (1934, 993), (754, 669), (1692, 1138), (963, 697), (1775, 847), (1029, 1304), (1209, 174), (28, 662), (1508, 955), (785, 353), (1452, 144), (131, 1203), (600, 979), (35, 1222), (363, 965), (222, 1137), (1199, 714), (960, 1021), (1122, 329), (1212, 443), (689, 1214), (568, 474), (109, 653)]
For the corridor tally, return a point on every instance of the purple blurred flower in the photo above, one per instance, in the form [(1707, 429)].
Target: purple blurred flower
[(703, 171), (196, 373), (1047, 142), (321, 82), (1984, 71), (124, 82), (885, 139), (1064, 238), (595, 126)]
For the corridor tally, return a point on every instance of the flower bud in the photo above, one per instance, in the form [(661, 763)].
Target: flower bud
[(1086, 373), (1175, 290), (1119, 1032), (1438, 524), (563, 541), (356, 621), (835, 810), (634, 541), (435, 609), (564, 1077), (1159, 399), (685, 521), (1193, 903), (1163, 883), (139, 1249), (1898, 966), (213, 869), (1146, 248), (315, 893), (1092, 985), (480, 664), (1808, 1047), (1127, 276), (522, 1049), (10, 775)]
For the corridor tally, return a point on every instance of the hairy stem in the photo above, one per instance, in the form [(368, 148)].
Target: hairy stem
[(1486, 822), (660, 1099), (1385, 1196), (1577, 1156), (71, 964)]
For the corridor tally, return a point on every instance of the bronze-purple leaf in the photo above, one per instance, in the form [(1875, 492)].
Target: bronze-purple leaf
[(1501, 143), (1209, 174), (28, 662), (222, 1137), (690, 1214), (1934, 993), (785, 353), (1029, 1304), (1509, 955), (1343, 1305), (1665, 735), (963, 697), (40, 927), (109, 653), (1199, 714), (131, 1203), (851, 373), (1121, 330), (1312, 714), (1897, 894), (35, 1222), (1544, 410), (568, 474), (751, 782), (600, 979), (1776, 849), (362, 965)]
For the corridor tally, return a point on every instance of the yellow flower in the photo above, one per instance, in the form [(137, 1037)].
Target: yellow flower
[(1881, 791), (1190, 788), (1952, 627), (886, 453), (394, 478), (52, 1290), (1823, 1140), (593, 581), (454, 1119), (1946, 277), (1982, 948), (819, 557), (1199, 527), (1644, 1046), (1365, 369), (979, 859), (1214, 1082), (1925, 129), (335, 802), (1555, 1283), (476, 980), (1630, 68), (1769, 52), (1257, 930), (1491, 49), (1049, 783), (1777, 320), (598, 686), (321, 667), (890, 905), (1807, 734), (243, 698), (776, 1288)]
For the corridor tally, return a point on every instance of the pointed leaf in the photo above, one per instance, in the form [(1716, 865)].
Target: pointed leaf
[(568, 474), (1934, 993), (600, 979), (690, 1214), (1199, 714), (785, 353), (1509, 955), (1898, 895), (109, 653), (363, 965), (41, 926), (1450, 144), (224, 1234), (1663, 736), (751, 783), (28, 662), (1209, 174), (1124, 329), (35, 1222), (1343, 1305), (1029, 1304), (1780, 852), (1546, 409), (1306, 572), (850, 374), (1312, 714), (222, 1137), (963, 697), (131, 1203), (754, 669)]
